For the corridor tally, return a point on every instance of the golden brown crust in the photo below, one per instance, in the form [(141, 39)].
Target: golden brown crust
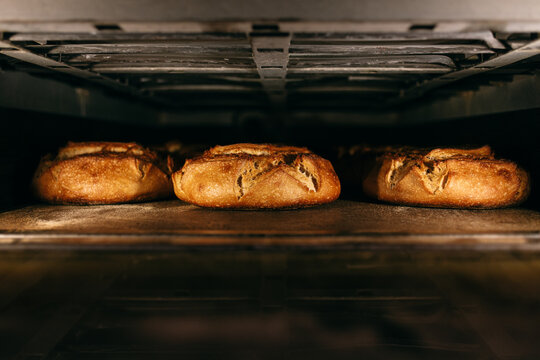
[(243, 149), (102, 173), (254, 176), (455, 178)]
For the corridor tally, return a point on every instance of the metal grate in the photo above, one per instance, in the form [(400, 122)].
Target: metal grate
[(284, 64)]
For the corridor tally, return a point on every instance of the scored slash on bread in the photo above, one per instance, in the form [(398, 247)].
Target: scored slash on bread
[(252, 176), (444, 177), (295, 166), (103, 173), (431, 167)]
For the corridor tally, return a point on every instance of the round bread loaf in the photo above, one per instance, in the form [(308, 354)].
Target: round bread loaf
[(455, 178), (257, 176), (102, 173)]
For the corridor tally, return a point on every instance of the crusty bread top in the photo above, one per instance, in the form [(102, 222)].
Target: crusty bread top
[(431, 154), (73, 149), (440, 154), (254, 149), (269, 156), (104, 149)]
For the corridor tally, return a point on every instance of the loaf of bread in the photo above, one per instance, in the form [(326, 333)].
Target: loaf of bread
[(445, 177), (256, 176), (103, 173)]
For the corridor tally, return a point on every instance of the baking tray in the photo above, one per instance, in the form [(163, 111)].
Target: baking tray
[(343, 223)]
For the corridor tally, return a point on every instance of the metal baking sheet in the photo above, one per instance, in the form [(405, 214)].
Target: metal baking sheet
[(342, 223)]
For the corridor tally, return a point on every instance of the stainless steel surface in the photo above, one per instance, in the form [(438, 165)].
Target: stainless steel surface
[(342, 223), (340, 10)]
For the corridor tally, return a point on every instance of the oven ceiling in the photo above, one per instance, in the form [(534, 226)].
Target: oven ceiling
[(369, 66)]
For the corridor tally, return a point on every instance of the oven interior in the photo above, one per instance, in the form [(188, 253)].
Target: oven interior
[(353, 278)]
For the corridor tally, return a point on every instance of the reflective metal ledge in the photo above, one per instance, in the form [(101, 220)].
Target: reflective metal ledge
[(342, 224)]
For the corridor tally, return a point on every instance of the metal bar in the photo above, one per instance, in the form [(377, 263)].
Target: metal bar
[(271, 56), (19, 53), (152, 48), (386, 49), (511, 57), (299, 38), (406, 60), (296, 49), (105, 69), (226, 57), (171, 62), (341, 88), (375, 77), (380, 38), (369, 70), (200, 87)]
